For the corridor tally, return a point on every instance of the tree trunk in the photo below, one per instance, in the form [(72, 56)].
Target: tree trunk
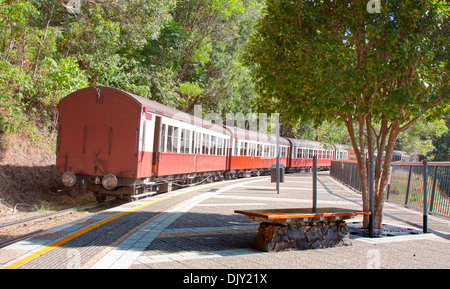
[(381, 194), (382, 167)]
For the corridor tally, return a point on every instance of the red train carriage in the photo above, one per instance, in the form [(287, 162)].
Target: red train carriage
[(117, 143), (253, 153)]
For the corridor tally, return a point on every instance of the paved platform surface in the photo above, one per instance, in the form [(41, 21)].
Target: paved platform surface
[(196, 228)]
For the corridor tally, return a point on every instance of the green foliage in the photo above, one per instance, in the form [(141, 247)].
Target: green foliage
[(323, 56), (61, 78), (377, 73), (418, 139), (180, 53)]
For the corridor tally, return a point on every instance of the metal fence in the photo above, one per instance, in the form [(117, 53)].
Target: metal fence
[(346, 172), (407, 183)]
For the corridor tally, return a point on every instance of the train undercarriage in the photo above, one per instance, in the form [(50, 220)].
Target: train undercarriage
[(134, 189)]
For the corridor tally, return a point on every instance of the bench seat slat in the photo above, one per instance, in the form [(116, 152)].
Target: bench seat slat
[(295, 213)]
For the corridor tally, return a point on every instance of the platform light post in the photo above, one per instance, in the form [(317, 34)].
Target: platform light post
[(425, 195), (314, 175), (278, 156)]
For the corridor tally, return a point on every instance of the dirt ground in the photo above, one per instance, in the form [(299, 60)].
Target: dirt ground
[(29, 184)]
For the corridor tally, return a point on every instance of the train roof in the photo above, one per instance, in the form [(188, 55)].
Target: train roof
[(245, 134), (306, 143), (155, 107), (164, 110)]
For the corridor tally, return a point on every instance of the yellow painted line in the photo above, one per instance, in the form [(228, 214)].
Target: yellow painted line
[(56, 244)]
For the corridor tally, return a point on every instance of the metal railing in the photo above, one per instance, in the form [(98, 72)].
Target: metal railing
[(346, 172), (407, 183)]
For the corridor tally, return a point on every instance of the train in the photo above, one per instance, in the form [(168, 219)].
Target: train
[(115, 143)]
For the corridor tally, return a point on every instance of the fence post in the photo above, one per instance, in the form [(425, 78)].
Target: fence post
[(408, 186), (314, 183), (425, 196), (433, 190)]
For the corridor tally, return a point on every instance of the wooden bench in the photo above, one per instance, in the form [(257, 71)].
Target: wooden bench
[(301, 228)]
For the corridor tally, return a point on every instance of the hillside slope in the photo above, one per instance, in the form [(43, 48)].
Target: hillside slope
[(28, 180)]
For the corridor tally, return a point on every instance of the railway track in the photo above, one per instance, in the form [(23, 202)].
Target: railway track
[(52, 215)]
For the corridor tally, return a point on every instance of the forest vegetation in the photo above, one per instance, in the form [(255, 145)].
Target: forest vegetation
[(179, 53)]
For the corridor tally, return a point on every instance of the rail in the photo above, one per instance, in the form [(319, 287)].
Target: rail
[(407, 183)]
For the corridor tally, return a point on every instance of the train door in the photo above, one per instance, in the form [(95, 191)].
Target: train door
[(158, 138), (97, 133), (111, 134), (71, 142)]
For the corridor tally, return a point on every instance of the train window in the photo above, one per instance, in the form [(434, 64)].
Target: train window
[(169, 138), (224, 145), (185, 141), (243, 148), (172, 139), (187, 148), (213, 145), (175, 144), (205, 144), (219, 146), (196, 143), (251, 149), (193, 141), (284, 151), (162, 142), (236, 148), (182, 140)]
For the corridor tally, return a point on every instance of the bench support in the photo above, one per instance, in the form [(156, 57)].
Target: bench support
[(301, 236), (301, 228)]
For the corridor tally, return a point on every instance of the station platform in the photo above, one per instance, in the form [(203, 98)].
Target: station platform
[(196, 228)]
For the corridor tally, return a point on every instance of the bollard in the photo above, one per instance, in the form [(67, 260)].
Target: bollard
[(425, 196), (314, 183)]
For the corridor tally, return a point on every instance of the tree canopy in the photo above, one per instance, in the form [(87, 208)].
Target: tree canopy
[(180, 53), (377, 73)]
